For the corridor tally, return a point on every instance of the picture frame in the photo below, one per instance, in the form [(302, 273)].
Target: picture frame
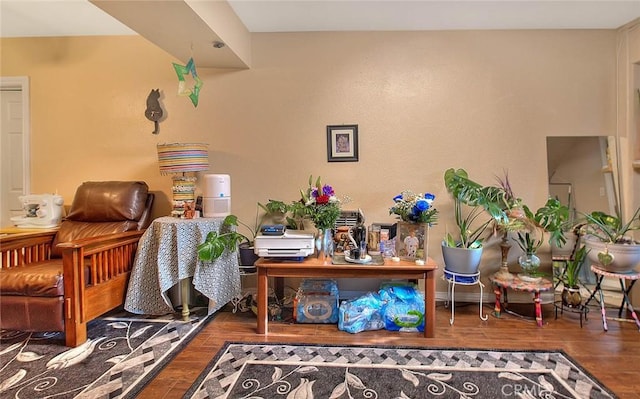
[(342, 143), (411, 239)]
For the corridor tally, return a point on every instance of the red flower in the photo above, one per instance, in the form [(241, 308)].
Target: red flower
[(322, 199)]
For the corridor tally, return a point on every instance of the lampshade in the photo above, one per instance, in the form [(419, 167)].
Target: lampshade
[(177, 159), (183, 157)]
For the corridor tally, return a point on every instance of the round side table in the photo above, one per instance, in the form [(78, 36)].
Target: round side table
[(462, 279), (632, 276), (501, 284)]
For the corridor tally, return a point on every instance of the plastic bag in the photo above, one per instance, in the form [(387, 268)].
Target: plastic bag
[(404, 308), (361, 314)]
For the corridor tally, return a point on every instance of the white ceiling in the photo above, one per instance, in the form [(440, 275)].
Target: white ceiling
[(20, 18)]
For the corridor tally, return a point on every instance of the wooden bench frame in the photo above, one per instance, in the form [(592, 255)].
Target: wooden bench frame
[(104, 261)]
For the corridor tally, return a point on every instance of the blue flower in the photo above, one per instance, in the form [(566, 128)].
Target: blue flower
[(411, 207), (421, 205)]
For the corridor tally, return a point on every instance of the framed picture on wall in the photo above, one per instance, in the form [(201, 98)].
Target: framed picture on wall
[(342, 143)]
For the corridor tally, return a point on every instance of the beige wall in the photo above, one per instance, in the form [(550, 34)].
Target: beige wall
[(424, 102), (628, 57)]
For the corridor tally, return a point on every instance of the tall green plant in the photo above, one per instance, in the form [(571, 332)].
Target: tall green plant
[(572, 269), (496, 201), (611, 229), (468, 236), (491, 198)]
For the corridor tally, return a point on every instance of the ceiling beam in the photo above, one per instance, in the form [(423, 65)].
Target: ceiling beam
[(187, 29)]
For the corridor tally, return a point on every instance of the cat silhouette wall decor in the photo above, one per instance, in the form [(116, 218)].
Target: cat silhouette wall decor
[(154, 110)]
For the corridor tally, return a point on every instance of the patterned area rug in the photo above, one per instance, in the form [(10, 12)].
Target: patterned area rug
[(123, 353), (253, 370)]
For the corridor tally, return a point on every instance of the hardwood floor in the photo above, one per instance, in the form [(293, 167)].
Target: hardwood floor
[(612, 357)]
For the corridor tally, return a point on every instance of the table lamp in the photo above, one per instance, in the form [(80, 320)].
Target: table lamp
[(178, 159)]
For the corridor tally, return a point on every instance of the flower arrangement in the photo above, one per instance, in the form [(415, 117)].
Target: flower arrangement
[(414, 208), (321, 204)]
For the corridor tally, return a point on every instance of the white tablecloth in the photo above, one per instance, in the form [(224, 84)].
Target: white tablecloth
[(167, 254)]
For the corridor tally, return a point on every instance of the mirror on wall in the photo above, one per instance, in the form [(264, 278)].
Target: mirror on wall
[(583, 174)]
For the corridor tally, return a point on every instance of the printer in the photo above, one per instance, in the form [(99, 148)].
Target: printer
[(296, 243)]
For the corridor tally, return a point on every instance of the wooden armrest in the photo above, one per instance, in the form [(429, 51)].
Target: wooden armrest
[(96, 273), (22, 249), (100, 243)]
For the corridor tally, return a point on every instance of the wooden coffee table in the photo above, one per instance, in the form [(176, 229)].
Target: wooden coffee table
[(312, 267)]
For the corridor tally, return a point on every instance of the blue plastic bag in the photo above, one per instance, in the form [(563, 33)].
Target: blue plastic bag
[(361, 314), (403, 309)]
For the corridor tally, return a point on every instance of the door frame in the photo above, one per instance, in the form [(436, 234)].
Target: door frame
[(22, 83)]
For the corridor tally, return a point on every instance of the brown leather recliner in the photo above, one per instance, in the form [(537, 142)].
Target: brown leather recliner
[(60, 280)]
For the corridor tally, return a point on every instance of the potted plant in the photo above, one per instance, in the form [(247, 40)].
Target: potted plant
[(216, 243), (276, 209), (462, 250), (607, 238), (507, 215), (291, 215), (496, 201), (231, 239), (529, 242), (571, 296)]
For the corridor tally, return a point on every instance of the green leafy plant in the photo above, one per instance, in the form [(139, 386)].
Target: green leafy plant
[(296, 216), (468, 236), (553, 217), (274, 207), (529, 242), (610, 229), (228, 239), (493, 200), (572, 269), (289, 214), (318, 203)]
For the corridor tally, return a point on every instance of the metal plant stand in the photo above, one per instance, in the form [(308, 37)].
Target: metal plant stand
[(462, 279), (581, 309), (632, 276)]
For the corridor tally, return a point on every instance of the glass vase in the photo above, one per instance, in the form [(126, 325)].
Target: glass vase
[(324, 244), (529, 263)]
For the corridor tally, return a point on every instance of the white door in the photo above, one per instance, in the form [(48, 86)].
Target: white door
[(14, 146)]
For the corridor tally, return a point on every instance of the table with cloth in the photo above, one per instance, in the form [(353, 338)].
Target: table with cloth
[(167, 254)]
